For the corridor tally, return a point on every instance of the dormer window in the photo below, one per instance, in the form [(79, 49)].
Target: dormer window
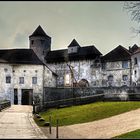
[(73, 47)]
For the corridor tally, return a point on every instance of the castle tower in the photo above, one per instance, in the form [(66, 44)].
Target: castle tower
[(40, 43)]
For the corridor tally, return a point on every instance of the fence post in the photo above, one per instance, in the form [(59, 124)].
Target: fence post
[(34, 108), (50, 125), (57, 129)]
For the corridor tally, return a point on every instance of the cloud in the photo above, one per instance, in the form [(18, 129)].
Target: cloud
[(20, 41)]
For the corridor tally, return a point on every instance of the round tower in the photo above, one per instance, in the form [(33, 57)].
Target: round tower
[(40, 43)]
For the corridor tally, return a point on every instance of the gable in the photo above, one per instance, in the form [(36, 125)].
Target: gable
[(118, 54)]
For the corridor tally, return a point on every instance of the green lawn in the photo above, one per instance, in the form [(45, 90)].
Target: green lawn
[(130, 135), (87, 113)]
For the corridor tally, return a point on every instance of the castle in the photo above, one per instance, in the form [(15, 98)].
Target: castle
[(25, 72)]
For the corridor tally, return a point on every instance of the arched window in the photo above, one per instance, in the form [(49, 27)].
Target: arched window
[(83, 83), (125, 77)]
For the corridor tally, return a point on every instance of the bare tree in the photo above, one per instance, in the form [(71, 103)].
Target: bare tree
[(133, 7)]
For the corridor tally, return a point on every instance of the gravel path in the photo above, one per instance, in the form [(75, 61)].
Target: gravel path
[(101, 129)]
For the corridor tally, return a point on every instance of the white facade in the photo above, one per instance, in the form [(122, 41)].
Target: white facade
[(136, 69), (43, 77)]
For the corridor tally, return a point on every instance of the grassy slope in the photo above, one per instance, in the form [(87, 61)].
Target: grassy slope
[(129, 135), (87, 113)]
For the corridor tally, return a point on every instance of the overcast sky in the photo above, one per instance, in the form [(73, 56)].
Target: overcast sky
[(103, 24)]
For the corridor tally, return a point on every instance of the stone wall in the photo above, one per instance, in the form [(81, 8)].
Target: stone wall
[(55, 97), (93, 73), (82, 70), (49, 78)]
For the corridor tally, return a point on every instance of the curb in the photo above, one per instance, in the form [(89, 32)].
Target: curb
[(36, 128)]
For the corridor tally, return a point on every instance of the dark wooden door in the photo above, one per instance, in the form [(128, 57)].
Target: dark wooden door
[(15, 97)]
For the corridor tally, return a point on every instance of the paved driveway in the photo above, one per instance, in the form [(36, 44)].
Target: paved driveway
[(101, 129), (17, 122)]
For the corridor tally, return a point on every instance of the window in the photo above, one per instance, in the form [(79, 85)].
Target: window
[(124, 64), (8, 79), (34, 80), (21, 80), (135, 61), (67, 79), (125, 77), (42, 42), (32, 42), (110, 78), (135, 72), (103, 66), (5, 69), (71, 49)]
